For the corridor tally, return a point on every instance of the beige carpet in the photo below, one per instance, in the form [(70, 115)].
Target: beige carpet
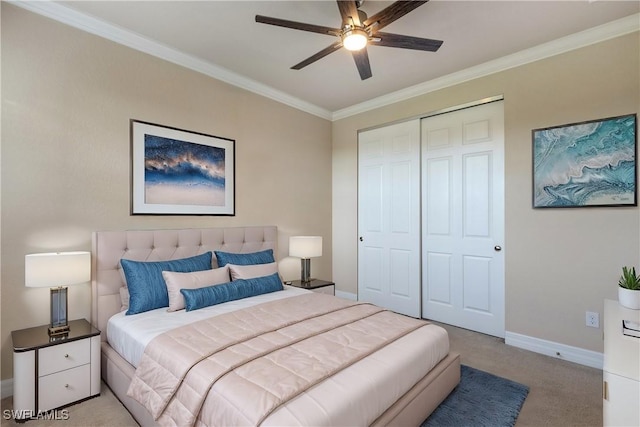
[(561, 393)]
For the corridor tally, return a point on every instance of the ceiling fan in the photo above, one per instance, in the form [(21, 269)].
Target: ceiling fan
[(358, 31)]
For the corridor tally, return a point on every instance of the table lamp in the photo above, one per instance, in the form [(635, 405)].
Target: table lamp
[(56, 271), (305, 247)]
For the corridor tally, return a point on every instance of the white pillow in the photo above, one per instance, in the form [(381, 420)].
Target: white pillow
[(197, 279), (243, 272), (124, 298)]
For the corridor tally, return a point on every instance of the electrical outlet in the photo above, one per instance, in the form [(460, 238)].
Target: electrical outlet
[(593, 319)]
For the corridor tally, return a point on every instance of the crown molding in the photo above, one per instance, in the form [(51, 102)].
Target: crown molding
[(588, 37), (135, 41)]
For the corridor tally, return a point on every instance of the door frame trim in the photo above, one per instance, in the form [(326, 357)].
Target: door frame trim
[(446, 110)]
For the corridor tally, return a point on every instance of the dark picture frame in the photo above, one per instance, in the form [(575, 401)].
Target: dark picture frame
[(586, 164), (180, 172)]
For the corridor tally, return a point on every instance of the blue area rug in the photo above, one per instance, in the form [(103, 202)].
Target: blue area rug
[(480, 400)]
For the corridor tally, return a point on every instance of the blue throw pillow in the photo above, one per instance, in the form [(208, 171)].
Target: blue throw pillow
[(147, 289), (262, 257), (238, 289)]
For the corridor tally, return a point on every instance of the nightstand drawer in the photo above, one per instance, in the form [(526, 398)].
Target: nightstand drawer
[(64, 387), (64, 356)]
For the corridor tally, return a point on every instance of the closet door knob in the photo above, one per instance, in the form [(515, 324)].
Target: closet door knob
[(361, 239), (497, 248)]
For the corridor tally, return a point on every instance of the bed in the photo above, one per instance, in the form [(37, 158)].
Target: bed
[(399, 384)]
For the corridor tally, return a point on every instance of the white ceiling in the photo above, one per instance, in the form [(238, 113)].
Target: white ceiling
[(221, 38)]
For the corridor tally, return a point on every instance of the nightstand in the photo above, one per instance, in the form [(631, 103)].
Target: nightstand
[(621, 370), (317, 285), (50, 372)]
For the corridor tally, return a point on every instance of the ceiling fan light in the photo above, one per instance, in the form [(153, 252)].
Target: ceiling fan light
[(354, 39)]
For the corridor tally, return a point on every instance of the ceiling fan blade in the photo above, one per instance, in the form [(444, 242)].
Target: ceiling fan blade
[(349, 12), (313, 58), (395, 11), (362, 62), (298, 25), (405, 42)]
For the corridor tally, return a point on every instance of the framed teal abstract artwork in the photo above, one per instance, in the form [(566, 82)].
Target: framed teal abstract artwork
[(586, 164)]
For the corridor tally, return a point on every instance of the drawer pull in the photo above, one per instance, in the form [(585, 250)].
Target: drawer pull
[(66, 356), (66, 386)]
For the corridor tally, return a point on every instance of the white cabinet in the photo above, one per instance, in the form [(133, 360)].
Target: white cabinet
[(621, 371), (50, 373)]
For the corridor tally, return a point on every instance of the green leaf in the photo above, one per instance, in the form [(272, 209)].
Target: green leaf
[(629, 279)]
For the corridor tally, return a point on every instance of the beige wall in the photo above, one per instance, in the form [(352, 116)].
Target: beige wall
[(559, 262), (67, 97)]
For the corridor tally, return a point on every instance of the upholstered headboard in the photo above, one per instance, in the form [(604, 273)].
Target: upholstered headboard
[(160, 245)]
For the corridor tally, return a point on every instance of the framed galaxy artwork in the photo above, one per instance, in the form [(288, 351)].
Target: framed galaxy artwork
[(586, 164), (179, 172)]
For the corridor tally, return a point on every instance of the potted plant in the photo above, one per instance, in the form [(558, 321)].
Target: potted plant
[(629, 289)]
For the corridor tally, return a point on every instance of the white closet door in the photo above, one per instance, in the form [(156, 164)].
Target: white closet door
[(389, 217), (463, 218)]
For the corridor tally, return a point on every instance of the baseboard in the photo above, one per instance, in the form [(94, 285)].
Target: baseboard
[(559, 351), (6, 388), (347, 295)]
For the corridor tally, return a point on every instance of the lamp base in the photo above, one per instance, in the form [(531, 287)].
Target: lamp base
[(55, 331), (58, 325), (305, 270)]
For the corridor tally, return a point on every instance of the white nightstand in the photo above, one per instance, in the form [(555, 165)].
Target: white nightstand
[(316, 285), (49, 373), (621, 370)]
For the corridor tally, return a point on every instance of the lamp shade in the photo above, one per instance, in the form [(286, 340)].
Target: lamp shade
[(57, 269), (305, 246)]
